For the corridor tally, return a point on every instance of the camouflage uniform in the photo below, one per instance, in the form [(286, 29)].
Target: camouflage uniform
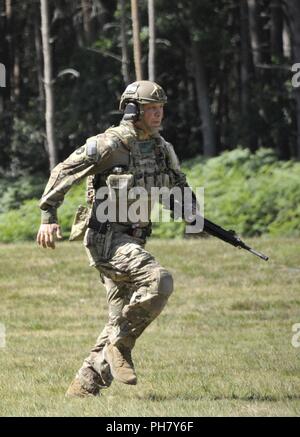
[(137, 286)]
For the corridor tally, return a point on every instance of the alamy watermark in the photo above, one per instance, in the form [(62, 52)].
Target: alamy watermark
[(296, 336), (118, 203), (2, 335), (2, 76), (296, 76)]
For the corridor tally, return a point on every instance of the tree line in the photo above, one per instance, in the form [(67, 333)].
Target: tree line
[(225, 65)]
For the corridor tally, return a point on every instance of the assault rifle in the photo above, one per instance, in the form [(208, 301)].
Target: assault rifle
[(229, 237), (212, 229)]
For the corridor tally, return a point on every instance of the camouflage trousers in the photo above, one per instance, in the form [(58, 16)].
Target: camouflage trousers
[(137, 290)]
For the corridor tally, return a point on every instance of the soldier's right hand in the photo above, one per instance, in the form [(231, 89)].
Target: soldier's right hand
[(46, 235)]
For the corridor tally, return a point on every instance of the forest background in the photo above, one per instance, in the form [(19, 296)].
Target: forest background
[(229, 69)]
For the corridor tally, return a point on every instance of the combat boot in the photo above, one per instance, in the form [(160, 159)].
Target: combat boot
[(121, 365), (78, 390)]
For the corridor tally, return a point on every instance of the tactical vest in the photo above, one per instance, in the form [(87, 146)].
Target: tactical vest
[(148, 165), (148, 160)]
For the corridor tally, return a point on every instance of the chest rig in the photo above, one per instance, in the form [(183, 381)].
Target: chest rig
[(148, 165)]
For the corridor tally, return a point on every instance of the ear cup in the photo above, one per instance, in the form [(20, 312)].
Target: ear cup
[(131, 112)]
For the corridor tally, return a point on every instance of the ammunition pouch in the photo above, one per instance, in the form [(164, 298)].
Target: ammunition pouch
[(97, 241), (80, 223), (120, 182)]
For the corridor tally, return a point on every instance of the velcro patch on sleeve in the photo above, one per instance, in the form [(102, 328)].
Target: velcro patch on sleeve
[(91, 149)]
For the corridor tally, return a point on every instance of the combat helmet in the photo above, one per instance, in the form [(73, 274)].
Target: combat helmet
[(142, 92)]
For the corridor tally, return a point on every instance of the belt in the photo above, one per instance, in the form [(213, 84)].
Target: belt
[(132, 230)]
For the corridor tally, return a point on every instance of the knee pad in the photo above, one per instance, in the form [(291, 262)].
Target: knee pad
[(165, 282)]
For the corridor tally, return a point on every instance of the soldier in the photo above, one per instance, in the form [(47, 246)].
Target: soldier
[(137, 286)]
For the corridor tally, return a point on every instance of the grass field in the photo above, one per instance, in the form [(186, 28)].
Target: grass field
[(221, 347)]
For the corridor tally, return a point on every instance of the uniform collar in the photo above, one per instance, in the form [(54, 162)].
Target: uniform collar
[(138, 132)]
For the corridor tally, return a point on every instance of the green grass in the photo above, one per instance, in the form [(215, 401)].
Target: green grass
[(221, 347)]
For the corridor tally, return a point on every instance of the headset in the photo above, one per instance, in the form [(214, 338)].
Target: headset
[(132, 112)]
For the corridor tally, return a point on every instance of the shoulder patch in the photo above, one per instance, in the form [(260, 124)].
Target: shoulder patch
[(91, 149)]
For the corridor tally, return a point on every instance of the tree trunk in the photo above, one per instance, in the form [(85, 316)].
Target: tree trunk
[(207, 122), (151, 58), (48, 81), (277, 79), (16, 79), (14, 54), (276, 30), (248, 136), (87, 20), (286, 36), (9, 44), (136, 40), (293, 7), (244, 60), (123, 37), (2, 60), (2, 85), (39, 58), (222, 112), (255, 31)]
